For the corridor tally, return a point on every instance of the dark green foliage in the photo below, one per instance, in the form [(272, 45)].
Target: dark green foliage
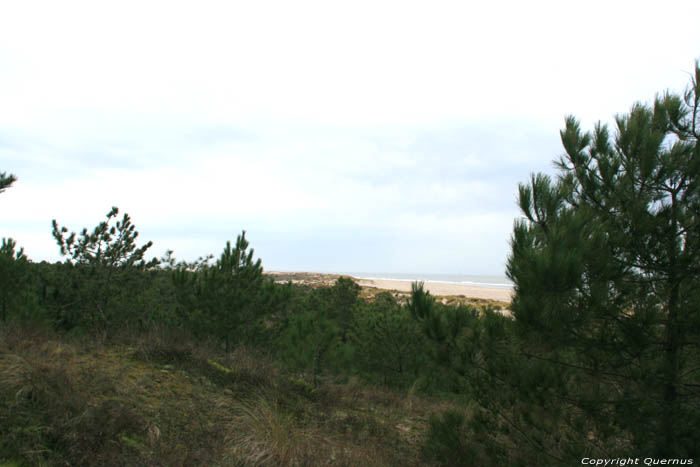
[(383, 343), (228, 299), (308, 341), (12, 271), (229, 291), (184, 279), (389, 342), (106, 247), (606, 270), (344, 295), (602, 356), (309, 333), (104, 275), (449, 328), (317, 328), (6, 181), (341, 300), (17, 297), (482, 353)]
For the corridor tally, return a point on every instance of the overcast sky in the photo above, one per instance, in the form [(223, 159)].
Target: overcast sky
[(342, 136)]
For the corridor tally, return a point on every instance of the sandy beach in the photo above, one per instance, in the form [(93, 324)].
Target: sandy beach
[(442, 289), (439, 289)]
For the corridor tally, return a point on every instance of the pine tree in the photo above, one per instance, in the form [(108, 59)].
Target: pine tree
[(16, 295), (107, 246), (103, 269), (14, 278), (230, 290), (606, 267), (601, 358), (343, 297), (388, 341)]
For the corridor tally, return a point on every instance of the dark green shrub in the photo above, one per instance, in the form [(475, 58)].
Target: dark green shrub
[(18, 299)]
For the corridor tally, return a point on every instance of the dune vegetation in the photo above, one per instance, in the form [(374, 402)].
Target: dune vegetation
[(112, 358)]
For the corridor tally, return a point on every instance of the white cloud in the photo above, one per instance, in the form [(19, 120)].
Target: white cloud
[(391, 121)]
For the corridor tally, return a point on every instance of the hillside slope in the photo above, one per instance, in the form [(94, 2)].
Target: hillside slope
[(161, 400)]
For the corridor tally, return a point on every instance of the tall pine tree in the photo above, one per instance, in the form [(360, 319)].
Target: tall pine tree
[(15, 279), (602, 358), (229, 291), (606, 266)]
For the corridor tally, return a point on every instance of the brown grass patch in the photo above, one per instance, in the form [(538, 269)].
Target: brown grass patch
[(163, 399)]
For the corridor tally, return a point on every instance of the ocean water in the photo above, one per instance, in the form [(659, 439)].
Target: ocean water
[(501, 282)]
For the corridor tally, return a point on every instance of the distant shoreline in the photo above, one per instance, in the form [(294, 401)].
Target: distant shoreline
[(442, 289), (436, 288), (435, 280)]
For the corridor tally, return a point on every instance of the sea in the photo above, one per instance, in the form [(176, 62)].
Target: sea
[(500, 282)]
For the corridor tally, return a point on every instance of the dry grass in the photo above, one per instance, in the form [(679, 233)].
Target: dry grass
[(264, 433), (161, 400), (55, 410)]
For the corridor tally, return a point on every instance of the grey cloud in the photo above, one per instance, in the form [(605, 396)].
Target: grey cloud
[(481, 163), (483, 150), (99, 141)]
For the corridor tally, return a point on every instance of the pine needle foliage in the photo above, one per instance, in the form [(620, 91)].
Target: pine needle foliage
[(104, 273), (16, 294), (108, 246), (600, 357), (17, 299), (606, 267), (224, 299)]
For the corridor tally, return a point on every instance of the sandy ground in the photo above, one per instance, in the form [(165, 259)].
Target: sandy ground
[(435, 288), (442, 289)]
